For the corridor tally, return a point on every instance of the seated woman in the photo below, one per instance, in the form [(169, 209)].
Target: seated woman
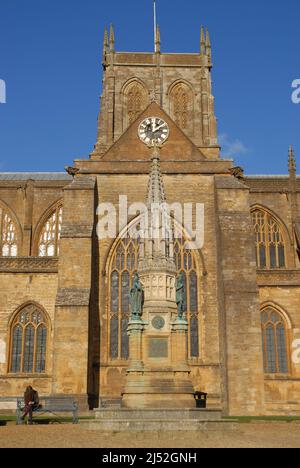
[(31, 400)]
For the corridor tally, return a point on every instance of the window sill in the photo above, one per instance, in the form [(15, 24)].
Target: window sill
[(192, 362), (25, 376), (280, 377), (116, 363), (270, 270)]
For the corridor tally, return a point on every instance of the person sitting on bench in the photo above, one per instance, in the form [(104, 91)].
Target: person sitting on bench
[(31, 400)]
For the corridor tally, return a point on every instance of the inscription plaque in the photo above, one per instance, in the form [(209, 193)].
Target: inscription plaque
[(158, 348)]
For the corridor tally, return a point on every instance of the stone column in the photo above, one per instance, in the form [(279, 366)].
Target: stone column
[(179, 330), (134, 380), (135, 333)]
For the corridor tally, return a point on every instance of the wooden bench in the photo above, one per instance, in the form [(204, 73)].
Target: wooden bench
[(51, 405)]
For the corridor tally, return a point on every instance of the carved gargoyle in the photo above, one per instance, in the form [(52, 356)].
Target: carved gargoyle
[(73, 171), (237, 172)]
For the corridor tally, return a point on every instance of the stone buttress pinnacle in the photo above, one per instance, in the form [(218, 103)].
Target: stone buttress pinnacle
[(156, 190)]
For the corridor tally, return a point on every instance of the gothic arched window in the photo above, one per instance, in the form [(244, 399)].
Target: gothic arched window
[(49, 239), (274, 341), (181, 105), (136, 98), (123, 266), (28, 341), (269, 241), (8, 239), (185, 263)]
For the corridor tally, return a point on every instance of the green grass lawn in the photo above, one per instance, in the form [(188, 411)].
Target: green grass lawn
[(7, 418), (248, 419)]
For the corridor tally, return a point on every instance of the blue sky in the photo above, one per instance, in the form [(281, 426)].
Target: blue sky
[(50, 59)]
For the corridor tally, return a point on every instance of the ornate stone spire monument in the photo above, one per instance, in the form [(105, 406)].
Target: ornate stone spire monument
[(158, 375)]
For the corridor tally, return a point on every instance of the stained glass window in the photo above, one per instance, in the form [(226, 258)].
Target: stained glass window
[(41, 349), (8, 239), (270, 247), (114, 337), (49, 239), (194, 336), (274, 339), (29, 341), (193, 292), (123, 266), (17, 348), (114, 303), (185, 263)]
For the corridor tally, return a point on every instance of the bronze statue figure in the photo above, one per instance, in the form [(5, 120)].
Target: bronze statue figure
[(180, 295), (136, 298)]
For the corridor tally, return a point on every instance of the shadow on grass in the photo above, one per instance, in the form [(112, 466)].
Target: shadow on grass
[(42, 420)]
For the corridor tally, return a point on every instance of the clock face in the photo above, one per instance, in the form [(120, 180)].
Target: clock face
[(153, 130)]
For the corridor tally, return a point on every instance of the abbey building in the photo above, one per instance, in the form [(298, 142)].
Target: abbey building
[(64, 302)]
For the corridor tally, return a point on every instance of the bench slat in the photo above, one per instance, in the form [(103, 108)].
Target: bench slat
[(58, 406)]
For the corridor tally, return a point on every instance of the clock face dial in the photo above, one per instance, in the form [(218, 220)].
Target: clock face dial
[(153, 130)]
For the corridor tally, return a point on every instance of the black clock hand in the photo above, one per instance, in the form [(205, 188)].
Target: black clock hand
[(159, 127)]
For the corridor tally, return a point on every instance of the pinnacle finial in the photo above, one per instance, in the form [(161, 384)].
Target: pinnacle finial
[(292, 162), (112, 39), (208, 44), (157, 39), (105, 46), (155, 151), (202, 41)]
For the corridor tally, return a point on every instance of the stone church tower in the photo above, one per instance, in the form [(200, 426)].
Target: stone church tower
[(180, 84), (64, 302)]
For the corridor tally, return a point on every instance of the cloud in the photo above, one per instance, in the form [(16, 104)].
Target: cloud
[(232, 148)]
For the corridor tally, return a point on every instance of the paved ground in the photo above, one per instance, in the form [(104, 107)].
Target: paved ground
[(263, 435)]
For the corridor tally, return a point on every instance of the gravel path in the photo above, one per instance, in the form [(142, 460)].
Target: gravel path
[(263, 435)]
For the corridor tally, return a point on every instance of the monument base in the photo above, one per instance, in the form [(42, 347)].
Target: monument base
[(158, 389), (119, 420)]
